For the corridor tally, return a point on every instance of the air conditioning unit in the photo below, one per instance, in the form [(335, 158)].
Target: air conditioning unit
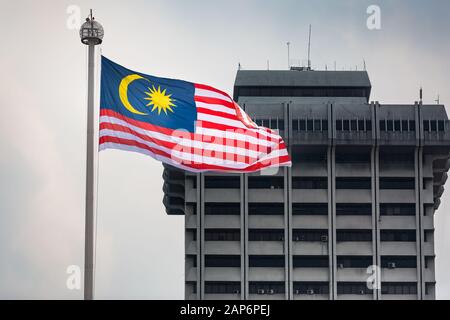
[(340, 265), (270, 291), (391, 265), (260, 291), (324, 238), (310, 291)]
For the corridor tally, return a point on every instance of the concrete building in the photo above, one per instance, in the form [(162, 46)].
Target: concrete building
[(365, 184)]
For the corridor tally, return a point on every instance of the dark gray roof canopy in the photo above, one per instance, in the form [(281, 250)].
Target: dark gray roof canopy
[(339, 83)]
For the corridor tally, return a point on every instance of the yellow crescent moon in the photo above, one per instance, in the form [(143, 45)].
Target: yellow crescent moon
[(123, 92)]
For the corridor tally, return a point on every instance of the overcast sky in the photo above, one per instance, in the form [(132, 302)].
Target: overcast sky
[(43, 120)]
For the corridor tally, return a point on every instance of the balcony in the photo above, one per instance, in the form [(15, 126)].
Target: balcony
[(265, 221), (310, 221), (266, 274), (191, 247), (222, 274), (266, 247), (216, 195), (399, 275), (397, 222), (308, 169), (393, 196), (354, 248), (265, 195), (311, 274), (353, 222), (398, 248), (353, 170), (353, 196), (223, 247), (310, 195), (191, 274), (352, 274), (310, 248), (223, 221)]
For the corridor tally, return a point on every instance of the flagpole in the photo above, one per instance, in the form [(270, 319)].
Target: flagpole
[(91, 33)]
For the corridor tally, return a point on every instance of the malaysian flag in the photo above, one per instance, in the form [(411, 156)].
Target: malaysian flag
[(191, 126)]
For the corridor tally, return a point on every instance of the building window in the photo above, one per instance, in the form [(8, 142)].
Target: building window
[(353, 288), (266, 208), (398, 262), (397, 125), (397, 209), (266, 261), (222, 287), (382, 125), (354, 261), (368, 125), (265, 182), (398, 235), (309, 125), (354, 235), (338, 125), (441, 125), (222, 235), (346, 125), (311, 287), (266, 287), (353, 125), (353, 209), (310, 209), (266, 234), (302, 125), (313, 158), (404, 124), (220, 208), (217, 182), (353, 183), (397, 159), (310, 235), (309, 183), (389, 125), (223, 261), (310, 262), (324, 125), (343, 157), (399, 288), (397, 183)]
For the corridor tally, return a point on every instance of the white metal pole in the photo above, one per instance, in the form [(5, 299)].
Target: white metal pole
[(90, 145)]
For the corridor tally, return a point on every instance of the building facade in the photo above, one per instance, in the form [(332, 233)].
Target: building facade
[(353, 218)]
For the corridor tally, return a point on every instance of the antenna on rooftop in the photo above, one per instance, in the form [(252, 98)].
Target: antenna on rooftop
[(288, 44), (438, 100), (309, 49), (421, 94), (239, 66), (364, 62), (268, 67)]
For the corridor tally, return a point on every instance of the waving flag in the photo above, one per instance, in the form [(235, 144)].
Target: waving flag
[(191, 126)]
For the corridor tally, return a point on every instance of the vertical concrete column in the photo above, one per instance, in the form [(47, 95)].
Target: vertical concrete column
[(201, 232), (418, 163), (332, 217), (289, 286), (244, 256), (376, 218), (330, 198), (243, 237)]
